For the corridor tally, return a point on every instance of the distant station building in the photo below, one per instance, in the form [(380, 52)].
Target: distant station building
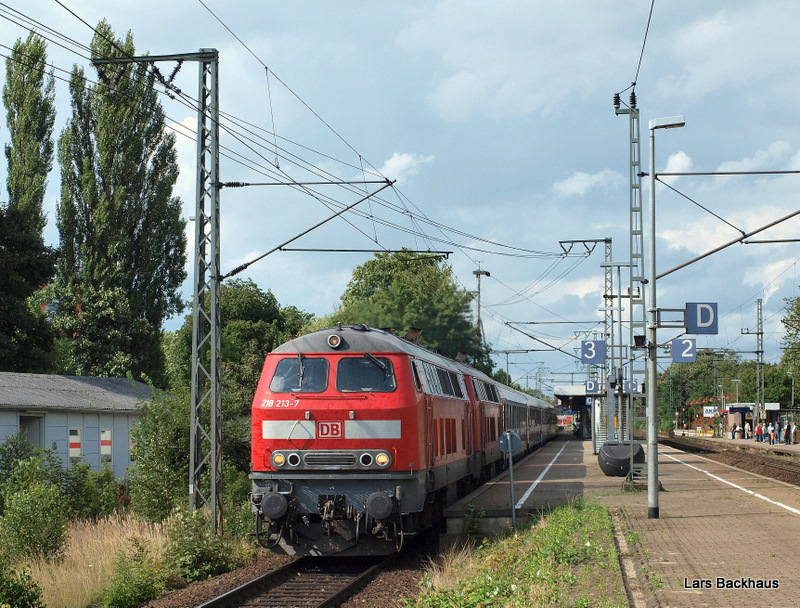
[(88, 418), (573, 398)]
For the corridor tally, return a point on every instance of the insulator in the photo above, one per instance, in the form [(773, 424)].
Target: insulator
[(633, 99), (616, 101)]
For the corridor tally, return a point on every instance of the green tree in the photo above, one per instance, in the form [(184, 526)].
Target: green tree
[(791, 339), (122, 235), (686, 387), (405, 289), (25, 262), (160, 468), (253, 323)]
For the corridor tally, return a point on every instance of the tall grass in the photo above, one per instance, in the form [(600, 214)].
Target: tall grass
[(86, 570)]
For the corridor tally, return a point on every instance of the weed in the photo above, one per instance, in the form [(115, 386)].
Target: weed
[(471, 525), (562, 559)]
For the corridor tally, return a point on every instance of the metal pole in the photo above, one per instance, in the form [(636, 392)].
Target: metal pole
[(511, 479), (652, 341), (205, 474), (652, 334)]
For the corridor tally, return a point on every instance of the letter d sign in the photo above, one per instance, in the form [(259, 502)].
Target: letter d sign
[(701, 318)]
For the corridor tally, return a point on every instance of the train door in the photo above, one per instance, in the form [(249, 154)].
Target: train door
[(467, 434)]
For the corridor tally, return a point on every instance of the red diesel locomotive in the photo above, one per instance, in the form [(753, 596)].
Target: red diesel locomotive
[(360, 439)]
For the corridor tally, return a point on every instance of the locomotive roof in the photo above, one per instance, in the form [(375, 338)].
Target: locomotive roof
[(360, 338), (356, 338)]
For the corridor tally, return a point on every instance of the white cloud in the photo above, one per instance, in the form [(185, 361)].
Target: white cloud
[(715, 51), (507, 58), (580, 183), (679, 162), (762, 159), (770, 276), (403, 165)]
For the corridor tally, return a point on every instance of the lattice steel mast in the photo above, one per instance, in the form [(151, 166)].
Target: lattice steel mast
[(205, 473)]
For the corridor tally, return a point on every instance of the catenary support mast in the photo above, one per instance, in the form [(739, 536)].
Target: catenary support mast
[(205, 466)]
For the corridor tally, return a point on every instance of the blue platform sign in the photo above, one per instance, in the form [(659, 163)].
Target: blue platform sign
[(631, 387), (684, 350), (593, 352), (594, 387), (701, 318)]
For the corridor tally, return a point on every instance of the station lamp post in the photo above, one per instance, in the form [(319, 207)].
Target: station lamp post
[(652, 334)]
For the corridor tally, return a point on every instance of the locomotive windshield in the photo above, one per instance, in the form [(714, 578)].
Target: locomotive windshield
[(365, 374), (300, 375)]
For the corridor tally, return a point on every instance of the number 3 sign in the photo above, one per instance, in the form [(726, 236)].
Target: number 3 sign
[(593, 351)]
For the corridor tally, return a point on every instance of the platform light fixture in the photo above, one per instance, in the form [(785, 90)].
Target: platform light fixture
[(671, 122)]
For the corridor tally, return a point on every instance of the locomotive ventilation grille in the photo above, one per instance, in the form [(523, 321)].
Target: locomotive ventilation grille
[(330, 459)]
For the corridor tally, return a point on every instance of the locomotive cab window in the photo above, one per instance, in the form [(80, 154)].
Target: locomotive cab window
[(300, 375), (365, 374)]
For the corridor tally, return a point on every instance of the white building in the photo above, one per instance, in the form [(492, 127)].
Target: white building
[(89, 418)]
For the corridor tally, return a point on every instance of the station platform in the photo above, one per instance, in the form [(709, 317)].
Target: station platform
[(724, 537)]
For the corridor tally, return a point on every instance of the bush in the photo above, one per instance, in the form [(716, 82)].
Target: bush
[(138, 577), (12, 450), (18, 590), (195, 550), (90, 494), (34, 525), (39, 466)]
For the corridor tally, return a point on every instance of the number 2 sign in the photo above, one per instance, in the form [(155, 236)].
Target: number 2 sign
[(684, 350)]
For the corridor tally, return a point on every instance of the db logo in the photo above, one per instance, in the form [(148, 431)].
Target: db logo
[(329, 430)]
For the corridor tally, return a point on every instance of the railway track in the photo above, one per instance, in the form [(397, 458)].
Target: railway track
[(308, 582)]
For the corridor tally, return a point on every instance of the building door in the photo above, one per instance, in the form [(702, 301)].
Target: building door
[(32, 428)]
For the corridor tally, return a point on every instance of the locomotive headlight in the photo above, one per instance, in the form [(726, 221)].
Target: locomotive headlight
[(382, 459), (334, 340), (278, 460)]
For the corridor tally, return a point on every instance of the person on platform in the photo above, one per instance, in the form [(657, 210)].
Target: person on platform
[(771, 431), (792, 436), (747, 430), (759, 433), (787, 434)]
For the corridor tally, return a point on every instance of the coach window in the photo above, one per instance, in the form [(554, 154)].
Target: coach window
[(365, 374), (300, 375)]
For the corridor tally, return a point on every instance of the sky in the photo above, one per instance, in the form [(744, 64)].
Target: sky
[(496, 121)]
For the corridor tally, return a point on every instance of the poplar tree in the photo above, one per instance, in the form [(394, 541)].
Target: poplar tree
[(123, 247), (26, 263)]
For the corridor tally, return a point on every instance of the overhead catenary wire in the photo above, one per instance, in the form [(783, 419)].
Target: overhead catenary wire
[(420, 226), (236, 157)]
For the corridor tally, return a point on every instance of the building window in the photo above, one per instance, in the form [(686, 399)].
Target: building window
[(74, 445), (105, 445)]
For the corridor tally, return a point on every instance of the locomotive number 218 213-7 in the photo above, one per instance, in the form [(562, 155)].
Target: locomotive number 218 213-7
[(279, 403)]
